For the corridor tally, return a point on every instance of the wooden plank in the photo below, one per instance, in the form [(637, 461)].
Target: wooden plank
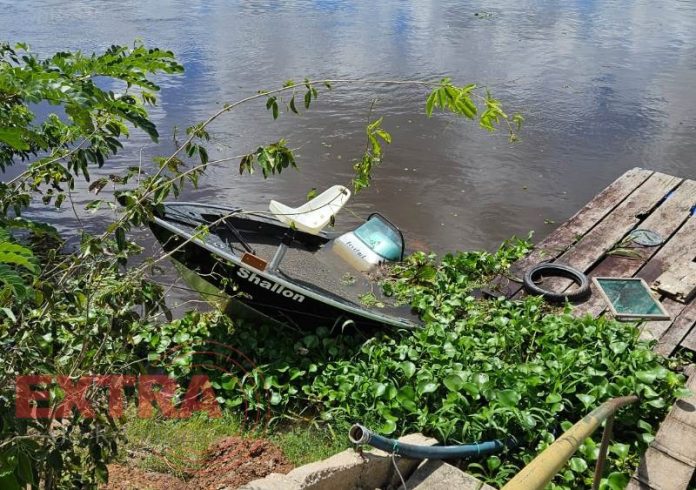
[(665, 220), (655, 329), (679, 281), (689, 341), (585, 253), (607, 233), (677, 331), (671, 252), (677, 440), (684, 409), (660, 471), (570, 231)]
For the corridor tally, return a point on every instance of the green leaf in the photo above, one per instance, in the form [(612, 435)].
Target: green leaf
[(384, 135), (8, 463), (9, 313), (453, 382), (181, 337), (18, 255), (429, 104), (203, 154), (24, 469), (493, 463), (618, 347), (683, 393), (120, 234), (657, 403), (508, 398), (646, 376), (14, 137), (101, 472), (617, 481), (528, 420), (426, 386), (553, 398), (647, 437), (481, 379), (647, 392), (471, 388), (587, 400), (620, 450), (406, 397), (292, 105), (408, 368), (388, 427), (9, 482), (578, 465)]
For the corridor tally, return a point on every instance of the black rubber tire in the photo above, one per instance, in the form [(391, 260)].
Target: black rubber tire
[(557, 270)]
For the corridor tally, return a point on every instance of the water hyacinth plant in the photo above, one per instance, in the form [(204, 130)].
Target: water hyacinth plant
[(479, 369)]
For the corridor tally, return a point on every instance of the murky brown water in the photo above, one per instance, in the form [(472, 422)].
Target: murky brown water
[(604, 86)]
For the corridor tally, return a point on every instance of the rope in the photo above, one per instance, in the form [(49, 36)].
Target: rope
[(396, 467)]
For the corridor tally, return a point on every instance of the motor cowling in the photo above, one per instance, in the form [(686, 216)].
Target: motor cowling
[(371, 244)]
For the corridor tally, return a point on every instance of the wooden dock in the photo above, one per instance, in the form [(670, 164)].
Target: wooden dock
[(595, 241)]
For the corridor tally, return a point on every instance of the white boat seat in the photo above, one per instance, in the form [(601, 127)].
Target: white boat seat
[(313, 215)]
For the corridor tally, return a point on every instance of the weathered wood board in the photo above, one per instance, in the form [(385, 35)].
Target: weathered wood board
[(679, 281), (654, 330), (665, 221), (671, 252), (573, 229), (679, 329), (689, 341), (608, 232), (595, 242), (614, 226)]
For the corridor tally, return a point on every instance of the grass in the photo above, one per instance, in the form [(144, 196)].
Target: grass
[(306, 444), (176, 446)]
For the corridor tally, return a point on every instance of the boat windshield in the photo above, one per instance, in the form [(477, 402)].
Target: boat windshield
[(381, 237)]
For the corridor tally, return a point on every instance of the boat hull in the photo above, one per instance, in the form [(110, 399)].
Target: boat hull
[(269, 294)]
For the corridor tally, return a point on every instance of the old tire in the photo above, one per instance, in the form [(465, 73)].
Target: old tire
[(557, 270)]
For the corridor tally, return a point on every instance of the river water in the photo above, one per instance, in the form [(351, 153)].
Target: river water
[(604, 86)]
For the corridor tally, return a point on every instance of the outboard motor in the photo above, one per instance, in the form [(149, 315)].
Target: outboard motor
[(371, 244)]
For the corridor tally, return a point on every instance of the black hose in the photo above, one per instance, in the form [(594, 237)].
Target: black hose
[(557, 270), (361, 435)]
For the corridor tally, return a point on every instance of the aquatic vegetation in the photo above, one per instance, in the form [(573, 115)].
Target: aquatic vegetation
[(479, 369)]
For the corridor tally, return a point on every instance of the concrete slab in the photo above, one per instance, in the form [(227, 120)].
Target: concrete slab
[(438, 475), (274, 481), (348, 469)]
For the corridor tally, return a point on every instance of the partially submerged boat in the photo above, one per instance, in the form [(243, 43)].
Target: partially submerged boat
[(283, 265)]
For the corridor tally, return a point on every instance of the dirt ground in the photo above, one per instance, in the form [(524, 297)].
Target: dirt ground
[(230, 463)]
